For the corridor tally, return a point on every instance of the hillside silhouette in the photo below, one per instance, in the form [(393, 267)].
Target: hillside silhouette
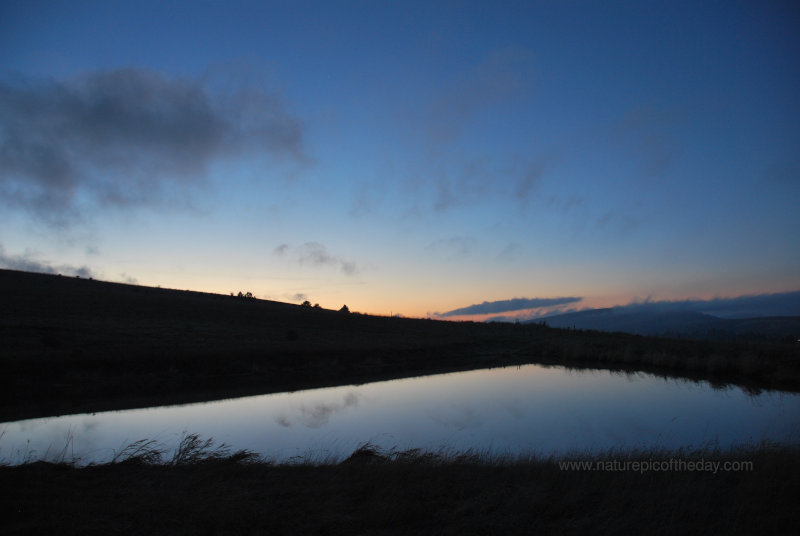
[(680, 323)]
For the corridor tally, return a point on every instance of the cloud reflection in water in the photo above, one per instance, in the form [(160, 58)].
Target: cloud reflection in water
[(319, 414)]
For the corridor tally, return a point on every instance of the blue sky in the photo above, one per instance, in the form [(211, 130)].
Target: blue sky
[(405, 157)]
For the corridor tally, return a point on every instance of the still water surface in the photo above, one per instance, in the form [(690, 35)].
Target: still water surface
[(505, 410)]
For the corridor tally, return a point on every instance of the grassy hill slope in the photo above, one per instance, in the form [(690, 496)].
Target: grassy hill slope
[(71, 345)]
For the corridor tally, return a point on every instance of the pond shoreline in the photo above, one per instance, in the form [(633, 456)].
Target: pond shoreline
[(74, 345), (502, 410)]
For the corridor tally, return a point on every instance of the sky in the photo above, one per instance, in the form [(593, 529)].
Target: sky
[(414, 158)]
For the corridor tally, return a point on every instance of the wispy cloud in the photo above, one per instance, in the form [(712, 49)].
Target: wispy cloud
[(644, 136), (454, 247), (316, 254), (28, 262), (505, 306), (128, 137), (462, 183), (509, 252), (529, 179), (499, 76), (441, 176)]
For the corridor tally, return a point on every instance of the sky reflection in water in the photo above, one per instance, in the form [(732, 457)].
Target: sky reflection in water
[(529, 408)]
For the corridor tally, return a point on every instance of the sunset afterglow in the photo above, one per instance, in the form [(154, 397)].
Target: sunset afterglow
[(406, 158)]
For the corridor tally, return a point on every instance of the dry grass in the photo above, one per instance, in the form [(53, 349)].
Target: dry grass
[(402, 492)]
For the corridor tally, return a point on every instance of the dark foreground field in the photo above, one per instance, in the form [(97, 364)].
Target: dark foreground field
[(71, 345), (408, 493)]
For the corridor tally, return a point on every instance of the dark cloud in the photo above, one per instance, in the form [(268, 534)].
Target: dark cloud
[(128, 137), (504, 306), (316, 254), (28, 263)]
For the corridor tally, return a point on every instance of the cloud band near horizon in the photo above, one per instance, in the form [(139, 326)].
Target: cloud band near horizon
[(749, 305), (504, 306)]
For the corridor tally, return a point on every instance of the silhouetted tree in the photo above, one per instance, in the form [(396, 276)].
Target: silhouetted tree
[(316, 306), (344, 309), (306, 304)]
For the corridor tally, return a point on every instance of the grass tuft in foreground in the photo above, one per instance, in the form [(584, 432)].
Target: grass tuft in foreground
[(190, 450)]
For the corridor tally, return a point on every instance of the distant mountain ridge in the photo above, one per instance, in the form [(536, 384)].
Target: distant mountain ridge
[(691, 324)]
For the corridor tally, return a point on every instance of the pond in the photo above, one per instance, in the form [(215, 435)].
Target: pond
[(496, 411)]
